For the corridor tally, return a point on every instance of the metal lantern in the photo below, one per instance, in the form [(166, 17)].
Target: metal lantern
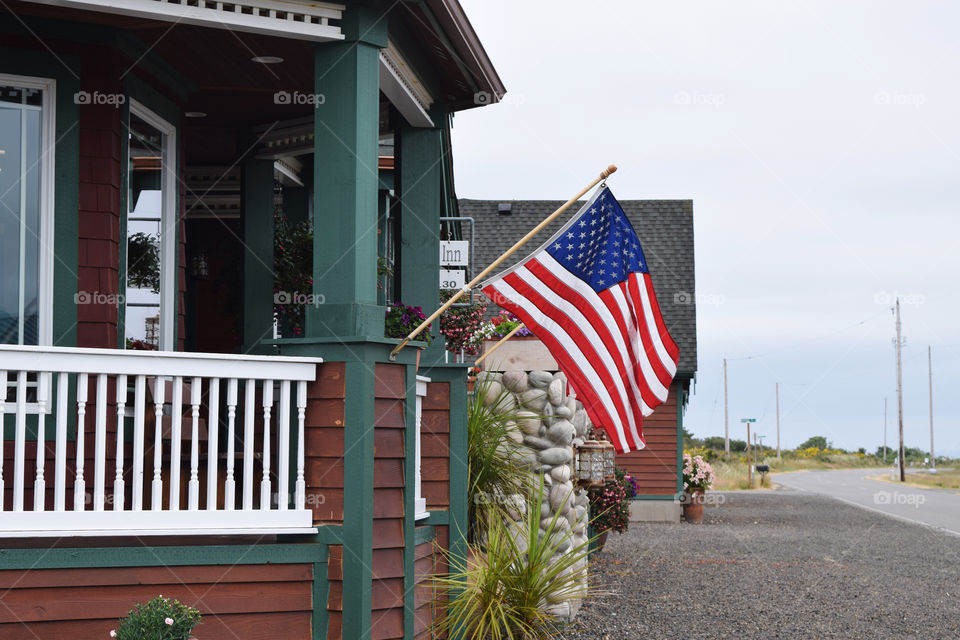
[(595, 463)]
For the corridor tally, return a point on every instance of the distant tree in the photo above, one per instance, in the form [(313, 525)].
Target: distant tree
[(689, 440), (862, 451), (738, 445), (713, 442), (819, 442)]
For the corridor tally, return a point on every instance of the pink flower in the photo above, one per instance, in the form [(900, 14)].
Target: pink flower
[(168, 621)]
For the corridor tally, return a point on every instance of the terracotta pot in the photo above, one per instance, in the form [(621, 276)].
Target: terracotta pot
[(602, 540), (693, 506)]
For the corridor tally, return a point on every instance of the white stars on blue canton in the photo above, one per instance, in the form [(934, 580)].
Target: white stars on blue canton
[(600, 247)]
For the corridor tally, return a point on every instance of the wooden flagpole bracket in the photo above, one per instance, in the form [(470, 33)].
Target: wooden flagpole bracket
[(493, 265)]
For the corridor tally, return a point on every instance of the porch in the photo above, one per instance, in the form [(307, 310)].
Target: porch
[(114, 443)]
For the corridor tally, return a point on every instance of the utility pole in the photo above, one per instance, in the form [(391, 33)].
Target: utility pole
[(884, 430), (778, 421), (933, 457), (903, 471), (726, 414)]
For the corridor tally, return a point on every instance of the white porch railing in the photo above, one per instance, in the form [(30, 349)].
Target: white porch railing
[(146, 409)]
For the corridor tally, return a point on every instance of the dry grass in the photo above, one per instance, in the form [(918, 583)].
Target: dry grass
[(731, 472), (948, 479)]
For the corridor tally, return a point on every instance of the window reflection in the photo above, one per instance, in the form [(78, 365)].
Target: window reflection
[(144, 219)]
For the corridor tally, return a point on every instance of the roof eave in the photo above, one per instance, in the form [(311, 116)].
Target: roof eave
[(452, 18)]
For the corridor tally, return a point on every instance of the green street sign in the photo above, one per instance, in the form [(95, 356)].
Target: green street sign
[(748, 419)]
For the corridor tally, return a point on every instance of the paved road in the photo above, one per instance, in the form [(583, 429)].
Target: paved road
[(934, 507)]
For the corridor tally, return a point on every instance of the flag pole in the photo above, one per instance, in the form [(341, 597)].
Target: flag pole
[(499, 344), (479, 277)]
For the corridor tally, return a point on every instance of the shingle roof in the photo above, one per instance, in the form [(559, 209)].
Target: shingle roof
[(665, 228)]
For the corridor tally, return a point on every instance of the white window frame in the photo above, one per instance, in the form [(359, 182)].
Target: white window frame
[(45, 268), (420, 503), (47, 167), (168, 221)]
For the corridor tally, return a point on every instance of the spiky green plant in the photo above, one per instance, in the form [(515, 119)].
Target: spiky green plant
[(159, 619), (505, 588), (494, 472)]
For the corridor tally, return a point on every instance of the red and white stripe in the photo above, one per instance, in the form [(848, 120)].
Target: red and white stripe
[(613, 345)]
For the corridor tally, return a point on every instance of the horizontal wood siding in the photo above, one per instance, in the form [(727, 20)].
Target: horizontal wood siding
[(241, 601), (435, 446), (324, 443), (388, 501), (655, 466)]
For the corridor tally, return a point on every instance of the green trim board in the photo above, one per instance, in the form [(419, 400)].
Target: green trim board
[(424, 534), (100, 557)]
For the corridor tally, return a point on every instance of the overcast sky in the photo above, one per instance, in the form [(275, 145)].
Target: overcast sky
[(819, 142)]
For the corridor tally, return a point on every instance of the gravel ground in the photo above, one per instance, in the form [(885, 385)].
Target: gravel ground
[(776, 565)]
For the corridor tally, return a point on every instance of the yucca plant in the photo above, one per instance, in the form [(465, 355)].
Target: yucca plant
[(507, 587), (495, 475)]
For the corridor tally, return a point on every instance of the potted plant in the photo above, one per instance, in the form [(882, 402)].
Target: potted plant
[(159, 619), (697, 478), (610, 507), (401, 319)]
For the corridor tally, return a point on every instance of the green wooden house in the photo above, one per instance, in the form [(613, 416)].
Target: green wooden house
[(174, 419)]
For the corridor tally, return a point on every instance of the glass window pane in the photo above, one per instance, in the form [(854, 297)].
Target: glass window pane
[(20, 176), (145, 213)]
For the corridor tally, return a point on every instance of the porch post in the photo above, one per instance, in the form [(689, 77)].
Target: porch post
[(346, 129), (257, 254), (420, 185)]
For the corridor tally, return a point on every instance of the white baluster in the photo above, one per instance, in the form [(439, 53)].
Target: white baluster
[(139, 411), (20, 440), (249, 414), (175, 429), (229, 486), (265, 482), (118, 488), (195, 395), (213, 453), (100, 444), (3, 410), (79, 487), (40, 484), (283, 444), (156, 493), (301, 490), (60, 458)]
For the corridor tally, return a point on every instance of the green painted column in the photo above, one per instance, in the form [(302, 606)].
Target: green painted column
[(420, 187), (257, 255), (346, 128)]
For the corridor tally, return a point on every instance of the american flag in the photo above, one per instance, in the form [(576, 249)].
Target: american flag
[(587, 294)]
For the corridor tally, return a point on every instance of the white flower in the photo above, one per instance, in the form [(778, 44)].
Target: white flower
[(113, 633), (168, 621)]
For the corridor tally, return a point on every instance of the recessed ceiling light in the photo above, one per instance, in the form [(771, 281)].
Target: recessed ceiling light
[(267, 59), (196, 114)]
